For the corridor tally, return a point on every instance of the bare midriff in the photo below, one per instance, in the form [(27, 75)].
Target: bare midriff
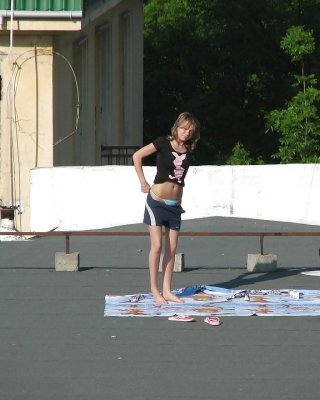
[(166, 190)]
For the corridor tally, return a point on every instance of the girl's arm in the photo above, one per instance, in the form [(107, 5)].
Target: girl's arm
[(138, 157)]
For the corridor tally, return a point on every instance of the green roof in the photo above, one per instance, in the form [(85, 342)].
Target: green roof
[(42, 5)]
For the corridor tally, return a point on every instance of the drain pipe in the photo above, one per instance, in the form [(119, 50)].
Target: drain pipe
[(11, 105), (41, 14)]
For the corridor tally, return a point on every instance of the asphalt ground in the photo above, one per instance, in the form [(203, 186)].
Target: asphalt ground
[(55, 342)]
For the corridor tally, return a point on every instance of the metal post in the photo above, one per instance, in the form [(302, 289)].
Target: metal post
[(67, 243), (261, 243)]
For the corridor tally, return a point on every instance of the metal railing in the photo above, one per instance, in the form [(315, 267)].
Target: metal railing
[(117, 155), (68, 234)]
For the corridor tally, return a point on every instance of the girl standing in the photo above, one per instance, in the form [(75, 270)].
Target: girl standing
[(163, 204)]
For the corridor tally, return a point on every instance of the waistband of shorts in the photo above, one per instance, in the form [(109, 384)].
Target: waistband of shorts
[(155, 203), (165, 201)]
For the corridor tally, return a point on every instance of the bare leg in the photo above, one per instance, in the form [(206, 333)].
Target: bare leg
[(171, 241), (154, 261)]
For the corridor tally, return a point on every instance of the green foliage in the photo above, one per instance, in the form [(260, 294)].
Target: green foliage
[(221, 60), (298, 123), (239, 156), (242, 156), (298, 42)]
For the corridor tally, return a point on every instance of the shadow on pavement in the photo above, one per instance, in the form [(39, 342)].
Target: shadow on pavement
[(249, 278)]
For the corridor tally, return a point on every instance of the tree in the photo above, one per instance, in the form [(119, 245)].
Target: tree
[(298, 123), (221, 60), (240, 156)]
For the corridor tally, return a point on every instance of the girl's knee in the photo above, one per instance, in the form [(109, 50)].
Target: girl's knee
[(155, 250)]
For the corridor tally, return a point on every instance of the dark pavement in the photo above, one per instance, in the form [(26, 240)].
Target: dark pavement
[(55, 342)]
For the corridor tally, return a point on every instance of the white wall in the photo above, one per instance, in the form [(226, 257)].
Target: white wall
[(84, 198)]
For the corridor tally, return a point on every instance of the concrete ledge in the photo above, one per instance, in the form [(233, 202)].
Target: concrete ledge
[(262, 262), (178, 263), (67, 262)]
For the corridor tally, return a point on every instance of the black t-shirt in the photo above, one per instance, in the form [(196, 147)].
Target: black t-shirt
[(172, 166)]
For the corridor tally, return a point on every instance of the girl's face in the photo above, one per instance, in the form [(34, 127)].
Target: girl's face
[(185, 131)]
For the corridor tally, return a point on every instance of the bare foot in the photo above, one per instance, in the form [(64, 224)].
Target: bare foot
[(159, 299), (172, 297)]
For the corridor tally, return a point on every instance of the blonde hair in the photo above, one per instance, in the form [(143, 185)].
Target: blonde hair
[(186, 118)]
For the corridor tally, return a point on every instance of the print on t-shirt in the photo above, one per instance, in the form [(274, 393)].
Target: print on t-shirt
[(178, 171)]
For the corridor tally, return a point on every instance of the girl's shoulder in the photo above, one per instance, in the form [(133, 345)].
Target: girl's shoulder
[(161, 142)]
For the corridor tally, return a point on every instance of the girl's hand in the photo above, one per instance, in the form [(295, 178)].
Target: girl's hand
[(145, 188)]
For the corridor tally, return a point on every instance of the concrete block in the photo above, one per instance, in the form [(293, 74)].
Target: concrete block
[(178, 263), (262, 262), (67, 262)]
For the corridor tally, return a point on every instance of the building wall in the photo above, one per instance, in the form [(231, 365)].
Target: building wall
[(50, 66), (26, 117), (65, 99), (84, 198), (107, 56)]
